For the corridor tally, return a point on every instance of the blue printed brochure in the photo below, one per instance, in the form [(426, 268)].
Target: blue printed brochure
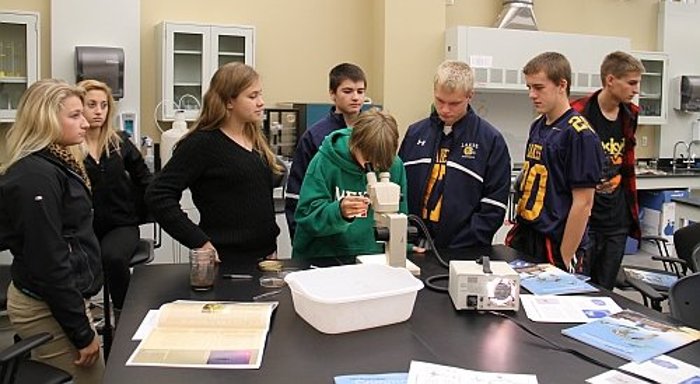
[(632, 335), (546, 279)]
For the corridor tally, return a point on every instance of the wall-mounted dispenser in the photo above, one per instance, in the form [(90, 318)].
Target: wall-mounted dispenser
[(105, 64), (686, 93)]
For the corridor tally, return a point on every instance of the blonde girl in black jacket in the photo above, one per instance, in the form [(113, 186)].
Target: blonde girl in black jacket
[(119, 177), (46, 222)]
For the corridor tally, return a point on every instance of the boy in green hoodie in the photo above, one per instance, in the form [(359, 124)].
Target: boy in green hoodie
[(333, 215)]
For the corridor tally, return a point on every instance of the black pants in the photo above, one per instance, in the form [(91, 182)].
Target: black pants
[(605, 256), (118, 246)]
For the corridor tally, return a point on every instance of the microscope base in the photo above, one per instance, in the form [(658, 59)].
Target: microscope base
[(381, 259)]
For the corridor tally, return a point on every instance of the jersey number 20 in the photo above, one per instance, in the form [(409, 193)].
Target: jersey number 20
[(538, 173)]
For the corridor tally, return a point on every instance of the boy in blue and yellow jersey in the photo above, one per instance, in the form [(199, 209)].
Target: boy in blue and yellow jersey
[(615, 213), (333, 215), (457, 165), (563, 163)]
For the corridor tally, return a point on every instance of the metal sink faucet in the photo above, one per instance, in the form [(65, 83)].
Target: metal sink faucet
[(690, 159), (675, 148)]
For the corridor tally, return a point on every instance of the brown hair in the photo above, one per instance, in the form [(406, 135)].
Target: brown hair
[(375, 134), (227, 83), (345, 71), (619, 64), (555, 66)]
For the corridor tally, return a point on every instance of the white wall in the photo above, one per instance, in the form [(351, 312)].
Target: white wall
[(679, 37), (105, 23)]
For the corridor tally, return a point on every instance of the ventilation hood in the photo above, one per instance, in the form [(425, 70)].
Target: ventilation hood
[(517, 14)]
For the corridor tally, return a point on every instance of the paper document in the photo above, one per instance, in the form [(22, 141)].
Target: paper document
[(663, 369), (567, 309), (632, 335), (655, 279), (428, 373), (147, 324), (546, 279), (198, 334), (379, 378)]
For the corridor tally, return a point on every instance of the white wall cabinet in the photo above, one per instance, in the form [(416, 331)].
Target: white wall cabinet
[(19, 59), (189, 56), (653, 90)]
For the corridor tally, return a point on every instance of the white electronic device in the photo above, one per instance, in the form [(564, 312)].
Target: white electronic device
[(488, 285)]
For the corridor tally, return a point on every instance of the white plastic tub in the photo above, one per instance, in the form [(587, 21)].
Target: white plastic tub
[(353, 297)]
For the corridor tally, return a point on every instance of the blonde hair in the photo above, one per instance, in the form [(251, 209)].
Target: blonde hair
[(229, 81), (108, 134), (37, 124), (453, 75), (375, 134)]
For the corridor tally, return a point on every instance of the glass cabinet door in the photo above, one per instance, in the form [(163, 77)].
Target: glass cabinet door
[(190, 54), (18, 59), (652, 90), (184, 68)]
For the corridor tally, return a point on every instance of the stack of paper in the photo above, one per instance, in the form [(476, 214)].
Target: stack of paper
[(632, 335), (546, 279), (568, 309), (197, 334), (428, 373), (662, 369)]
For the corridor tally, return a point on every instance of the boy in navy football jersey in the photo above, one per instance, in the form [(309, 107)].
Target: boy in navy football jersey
[(563, 162), (613, 115)]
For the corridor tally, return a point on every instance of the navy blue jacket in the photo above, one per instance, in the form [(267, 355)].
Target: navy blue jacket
[(477, 181), (307, 147)]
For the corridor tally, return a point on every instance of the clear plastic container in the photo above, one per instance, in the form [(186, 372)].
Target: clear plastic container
[(353, 297)]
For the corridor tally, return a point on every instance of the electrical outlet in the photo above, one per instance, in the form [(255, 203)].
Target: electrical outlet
[(645, 141)]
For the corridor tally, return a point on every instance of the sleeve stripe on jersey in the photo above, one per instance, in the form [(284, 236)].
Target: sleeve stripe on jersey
[(468, 171), (425, 160), (494, 202), (292, 196)]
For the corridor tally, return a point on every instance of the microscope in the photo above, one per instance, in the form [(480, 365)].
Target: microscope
[(391, 225)]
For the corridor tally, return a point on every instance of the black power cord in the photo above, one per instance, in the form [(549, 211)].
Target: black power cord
[(573, 352), (430, 281)]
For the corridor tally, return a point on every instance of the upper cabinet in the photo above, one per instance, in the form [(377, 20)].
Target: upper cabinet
[(19, 59), (499, 55), (653, 90), (189, 56)]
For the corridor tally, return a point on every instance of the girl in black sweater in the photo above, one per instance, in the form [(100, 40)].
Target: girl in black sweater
[(119, 177), (227, 164)]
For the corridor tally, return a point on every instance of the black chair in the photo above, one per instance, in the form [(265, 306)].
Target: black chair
[(684, 301), (686, 242), (17, 368), (145, 252)]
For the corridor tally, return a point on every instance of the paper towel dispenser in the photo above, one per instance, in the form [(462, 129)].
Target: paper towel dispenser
[(686, 93), (105, 64)]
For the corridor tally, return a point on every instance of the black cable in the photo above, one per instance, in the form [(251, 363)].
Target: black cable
[(430, 281), (426, 233), (574, 352)]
